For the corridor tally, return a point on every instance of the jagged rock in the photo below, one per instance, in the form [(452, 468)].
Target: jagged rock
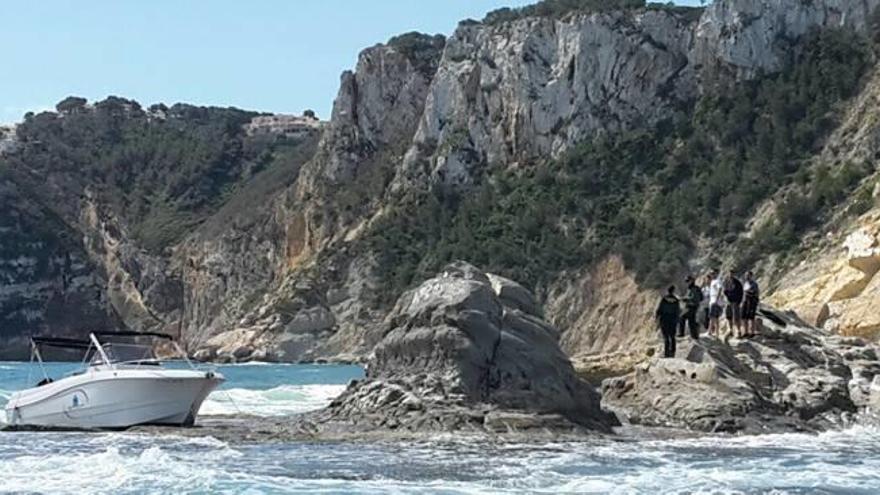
[(791, 377), (205, 354), (513, 294), (839, 289), (454, 353), (310, 320), (242, 352)]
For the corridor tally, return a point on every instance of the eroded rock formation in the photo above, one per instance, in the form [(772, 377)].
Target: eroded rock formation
[(839, 289), (467, 350)]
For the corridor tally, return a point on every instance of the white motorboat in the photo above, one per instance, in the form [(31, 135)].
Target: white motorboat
[(123, 385)]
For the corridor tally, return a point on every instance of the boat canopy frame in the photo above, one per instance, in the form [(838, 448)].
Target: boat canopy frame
[(94, 343)]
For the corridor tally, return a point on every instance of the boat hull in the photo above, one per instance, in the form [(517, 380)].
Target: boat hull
[(114, 398)]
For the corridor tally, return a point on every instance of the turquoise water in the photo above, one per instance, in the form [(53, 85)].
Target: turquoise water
[(845, 461)]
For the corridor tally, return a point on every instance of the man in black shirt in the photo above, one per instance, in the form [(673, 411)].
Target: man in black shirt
[(733, 292), (667, 314), (692, 301)]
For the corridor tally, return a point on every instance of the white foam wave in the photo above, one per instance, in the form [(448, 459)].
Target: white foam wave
[(133, 463), (278, 401), (114, 469)]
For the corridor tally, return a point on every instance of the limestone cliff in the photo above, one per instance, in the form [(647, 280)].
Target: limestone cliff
[(515, 94), (272, 253), (46, 278), (519, 92)]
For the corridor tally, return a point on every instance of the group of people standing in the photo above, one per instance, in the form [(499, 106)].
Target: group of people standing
[(717, 296)]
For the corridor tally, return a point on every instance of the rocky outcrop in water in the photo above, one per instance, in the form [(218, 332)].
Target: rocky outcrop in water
[(792, 377), (467, 351)]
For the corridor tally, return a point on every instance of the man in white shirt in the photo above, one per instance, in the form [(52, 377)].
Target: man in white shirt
[(716, 289)]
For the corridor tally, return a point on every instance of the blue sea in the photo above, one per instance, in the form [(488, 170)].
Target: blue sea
[(844, 461)]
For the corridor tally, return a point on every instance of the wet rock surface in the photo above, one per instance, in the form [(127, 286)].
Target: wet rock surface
[(792, 377)]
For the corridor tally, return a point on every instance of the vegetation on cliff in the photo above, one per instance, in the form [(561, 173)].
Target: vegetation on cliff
[(651, 194), (162, 170), (560, 8), (420, 48)]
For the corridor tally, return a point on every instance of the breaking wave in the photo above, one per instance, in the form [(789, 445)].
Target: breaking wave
[(844, 461), (278, 401), (112, 463)]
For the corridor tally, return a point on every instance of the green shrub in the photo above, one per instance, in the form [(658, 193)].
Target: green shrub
[(559, 8), (422, 50)]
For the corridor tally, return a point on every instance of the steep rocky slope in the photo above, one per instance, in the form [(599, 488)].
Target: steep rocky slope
[(429, 135), (96, 199), (514, 94), (46, 277), (833, 281)]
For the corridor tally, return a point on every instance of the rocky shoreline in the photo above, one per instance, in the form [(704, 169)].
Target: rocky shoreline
[(467, 354)]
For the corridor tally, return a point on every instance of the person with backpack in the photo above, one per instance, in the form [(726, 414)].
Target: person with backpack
[(692, 300), (668, 314), (751, 299), (733, 292)]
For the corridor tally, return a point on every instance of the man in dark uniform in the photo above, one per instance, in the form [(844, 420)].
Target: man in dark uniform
[(668, 314)]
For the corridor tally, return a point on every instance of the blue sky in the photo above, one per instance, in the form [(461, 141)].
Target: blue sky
[(279, 56)]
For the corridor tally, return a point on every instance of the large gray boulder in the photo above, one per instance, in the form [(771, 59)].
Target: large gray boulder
[(792, 377), (456, 356)]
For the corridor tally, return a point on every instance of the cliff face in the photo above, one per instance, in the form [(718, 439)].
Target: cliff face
[(516, 94), (46, 278), (520, 92), (97, 201), (309, 297), (284, 268), (833, 281)]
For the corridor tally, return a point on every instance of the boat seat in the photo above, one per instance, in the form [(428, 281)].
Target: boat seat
[(45, 381)]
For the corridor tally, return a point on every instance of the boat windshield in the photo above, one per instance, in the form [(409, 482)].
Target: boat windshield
[(126, 353)]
